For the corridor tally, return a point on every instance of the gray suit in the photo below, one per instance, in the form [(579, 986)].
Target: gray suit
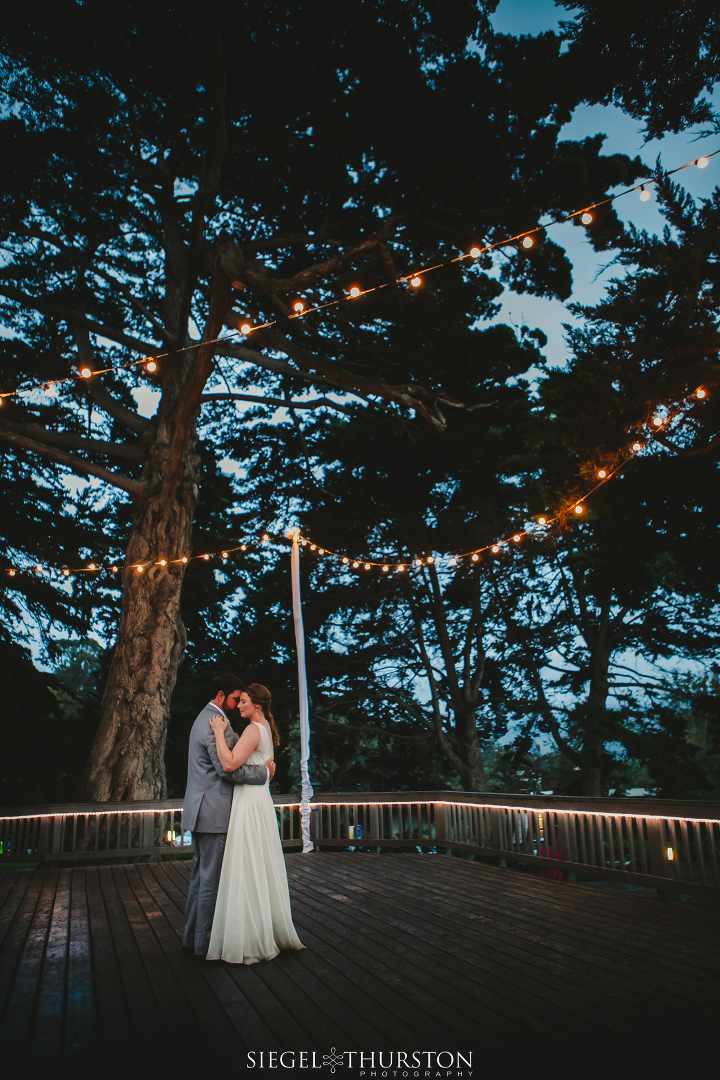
[(206, 811)]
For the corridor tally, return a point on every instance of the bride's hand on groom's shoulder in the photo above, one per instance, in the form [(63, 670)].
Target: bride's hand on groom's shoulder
[(218, 723), (271, 766)]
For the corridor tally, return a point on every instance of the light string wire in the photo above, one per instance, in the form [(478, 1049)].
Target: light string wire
[(300, 309), (542, 525)]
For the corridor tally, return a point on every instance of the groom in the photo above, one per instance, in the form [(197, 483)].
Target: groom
[(206, 809)]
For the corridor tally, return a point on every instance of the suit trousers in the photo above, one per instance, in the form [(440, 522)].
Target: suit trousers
[(203, 890)]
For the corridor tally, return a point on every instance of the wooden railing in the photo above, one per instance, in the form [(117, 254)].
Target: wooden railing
[(670, 845)]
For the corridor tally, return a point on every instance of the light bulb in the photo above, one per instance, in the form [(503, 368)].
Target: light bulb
[(85, 372), (92, 566), (701, 393), (355, 565), (644, 194), (162, 562), (38, 569), (354, 291), (702, 162), (113, 569), (516, 538), (527, 241), (367, 565), (243, 547), (658, 421), (245, 328), (66, 573), (151, 366), (385, 569), (345, 559), (430, 559), (602, 473), (298, 306), (321, 551), (313, 547), (637, 447), (541, 520), (12, 573), (495, 548), (418, 562), (206, 557), (400, 568), (224, 555), (184, 558), (265, 538), (578, 509), (475, 252), (415, 282), (140, 569), (475, 557), (586, 218)]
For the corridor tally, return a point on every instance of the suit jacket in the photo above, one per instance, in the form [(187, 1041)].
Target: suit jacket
[(208, 796)]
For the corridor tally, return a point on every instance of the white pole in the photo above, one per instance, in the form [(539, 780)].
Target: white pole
[(306, 791)]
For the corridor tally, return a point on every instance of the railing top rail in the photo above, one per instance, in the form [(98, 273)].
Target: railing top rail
[(642, 806)]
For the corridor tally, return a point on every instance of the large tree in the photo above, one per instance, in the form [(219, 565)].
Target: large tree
[(159, 191)]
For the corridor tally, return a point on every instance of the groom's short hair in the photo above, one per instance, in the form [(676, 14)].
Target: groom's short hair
[(225, 684)]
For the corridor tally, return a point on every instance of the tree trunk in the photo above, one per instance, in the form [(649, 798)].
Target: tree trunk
[(127, 757), (470, 766), (596, 707)]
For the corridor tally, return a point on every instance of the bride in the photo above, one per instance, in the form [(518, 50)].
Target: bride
[(252, 917)]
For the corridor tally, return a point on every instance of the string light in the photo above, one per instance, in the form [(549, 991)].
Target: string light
[(644, 194), (604, 475), (298, 306), (474, 253), (528, 242), (416, 281)]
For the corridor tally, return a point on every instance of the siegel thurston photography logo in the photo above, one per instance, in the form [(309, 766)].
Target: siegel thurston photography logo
[(369, 1064)]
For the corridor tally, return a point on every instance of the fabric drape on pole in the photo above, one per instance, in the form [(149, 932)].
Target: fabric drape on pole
[(306, 791)]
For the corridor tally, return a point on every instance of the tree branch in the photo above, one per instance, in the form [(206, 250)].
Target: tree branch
[(70, 441), (132, 487), (59, 311), (316, 403)]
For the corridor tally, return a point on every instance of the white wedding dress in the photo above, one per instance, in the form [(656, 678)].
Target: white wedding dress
[(252, 916)]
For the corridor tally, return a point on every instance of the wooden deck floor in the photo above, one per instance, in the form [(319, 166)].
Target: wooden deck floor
[(405, 952)]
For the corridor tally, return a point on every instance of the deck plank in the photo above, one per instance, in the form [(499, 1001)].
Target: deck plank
[(404, 951)]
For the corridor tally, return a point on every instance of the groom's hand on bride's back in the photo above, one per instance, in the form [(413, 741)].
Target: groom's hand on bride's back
[(271, 766)]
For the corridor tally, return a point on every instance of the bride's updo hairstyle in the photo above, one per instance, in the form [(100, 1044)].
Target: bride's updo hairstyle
[(261, 696)]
